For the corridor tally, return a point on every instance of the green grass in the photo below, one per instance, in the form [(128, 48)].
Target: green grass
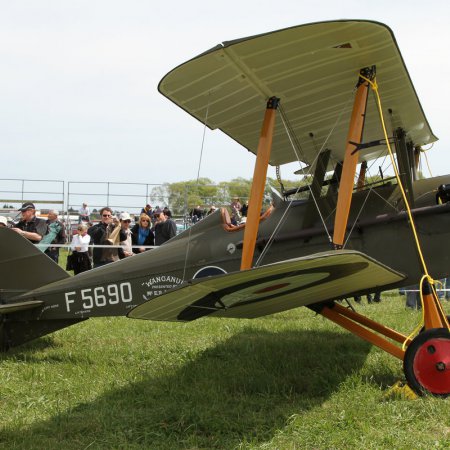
[(288, 381)]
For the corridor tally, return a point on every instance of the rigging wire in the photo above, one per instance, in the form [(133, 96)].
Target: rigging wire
[(426, 159), (426, 275), (357, 216), (371, 189), (296, 145), (288, 129), (197, 182)]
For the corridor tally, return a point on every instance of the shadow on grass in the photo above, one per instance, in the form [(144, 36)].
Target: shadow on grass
[(242, 390), (25, 352)]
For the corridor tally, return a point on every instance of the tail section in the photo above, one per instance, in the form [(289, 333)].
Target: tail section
[(24, 267)]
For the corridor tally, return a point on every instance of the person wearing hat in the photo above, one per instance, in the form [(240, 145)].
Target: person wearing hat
[(30, 227), (125, 236), (3, 222)]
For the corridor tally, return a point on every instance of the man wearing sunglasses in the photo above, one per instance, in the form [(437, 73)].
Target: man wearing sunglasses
[(99, 234), (125, 236)]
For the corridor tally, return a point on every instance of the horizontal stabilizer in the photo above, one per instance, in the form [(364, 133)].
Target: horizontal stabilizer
[(272, 288), (19, 306)]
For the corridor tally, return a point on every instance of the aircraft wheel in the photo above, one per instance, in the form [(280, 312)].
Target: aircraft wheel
[(427, 363)]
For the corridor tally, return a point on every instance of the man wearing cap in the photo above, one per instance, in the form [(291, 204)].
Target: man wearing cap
[(125, 236), (30, 227)]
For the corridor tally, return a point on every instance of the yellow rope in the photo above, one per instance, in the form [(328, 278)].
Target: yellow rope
[(422, 320), (374, 86)]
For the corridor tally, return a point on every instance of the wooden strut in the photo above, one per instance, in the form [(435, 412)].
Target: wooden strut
[(358, 324), (434, 316), (364, 328), (259, 181), (351, 158)]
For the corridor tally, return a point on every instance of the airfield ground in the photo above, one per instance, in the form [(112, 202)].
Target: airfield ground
[(288, 381)]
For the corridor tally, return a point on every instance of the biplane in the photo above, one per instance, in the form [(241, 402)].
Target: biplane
[(334, 97)]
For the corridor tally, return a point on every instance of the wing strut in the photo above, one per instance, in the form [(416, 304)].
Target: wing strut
[(351, 157), (406, 163), (258, 184)]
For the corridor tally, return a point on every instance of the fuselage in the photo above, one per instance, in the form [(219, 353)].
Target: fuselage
[(378, 227)]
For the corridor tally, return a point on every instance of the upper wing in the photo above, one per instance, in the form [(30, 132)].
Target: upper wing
[(313, 69), (270, 289)]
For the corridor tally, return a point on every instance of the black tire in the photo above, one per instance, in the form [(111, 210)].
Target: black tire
[(427, 363)]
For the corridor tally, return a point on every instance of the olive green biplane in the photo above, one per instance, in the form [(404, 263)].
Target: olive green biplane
[(334, 97)]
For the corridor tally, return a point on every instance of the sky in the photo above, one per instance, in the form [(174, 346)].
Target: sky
[(78, 90)]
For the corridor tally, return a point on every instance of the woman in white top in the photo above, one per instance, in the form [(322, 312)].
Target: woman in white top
[(79, 246)]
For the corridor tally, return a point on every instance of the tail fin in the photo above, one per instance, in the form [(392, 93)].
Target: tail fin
[(23, 266)]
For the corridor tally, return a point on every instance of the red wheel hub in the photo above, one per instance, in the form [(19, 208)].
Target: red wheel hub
[(432, 365)]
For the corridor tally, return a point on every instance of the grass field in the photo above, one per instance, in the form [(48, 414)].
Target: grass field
[(288, 381)]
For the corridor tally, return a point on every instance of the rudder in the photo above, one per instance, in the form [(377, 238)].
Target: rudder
[(23, 266)]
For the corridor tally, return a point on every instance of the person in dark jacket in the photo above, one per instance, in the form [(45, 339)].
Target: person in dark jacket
[(165, 228), (30, 227), (141, 234), (101, 234)]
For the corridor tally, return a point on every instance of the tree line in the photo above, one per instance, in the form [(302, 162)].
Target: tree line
[(204, 192), (183, 196)]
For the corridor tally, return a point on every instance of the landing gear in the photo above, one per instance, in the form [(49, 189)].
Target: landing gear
[(427, 362)]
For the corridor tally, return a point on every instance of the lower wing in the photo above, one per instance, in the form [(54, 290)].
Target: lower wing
[(272, 288)]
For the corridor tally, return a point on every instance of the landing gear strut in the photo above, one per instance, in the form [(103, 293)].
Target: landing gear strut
[(426, 361)]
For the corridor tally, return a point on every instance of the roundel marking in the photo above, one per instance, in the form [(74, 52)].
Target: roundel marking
[(208, 271), (272, 288)]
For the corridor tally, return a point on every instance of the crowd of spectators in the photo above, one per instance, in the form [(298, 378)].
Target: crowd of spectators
[(95, 244), (116, 239), (237, 208)]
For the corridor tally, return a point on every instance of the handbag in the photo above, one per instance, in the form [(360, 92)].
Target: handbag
[(69, 263)]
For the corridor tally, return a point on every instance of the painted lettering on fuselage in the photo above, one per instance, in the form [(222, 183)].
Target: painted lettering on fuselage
[(98, 297), (157, 285)]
